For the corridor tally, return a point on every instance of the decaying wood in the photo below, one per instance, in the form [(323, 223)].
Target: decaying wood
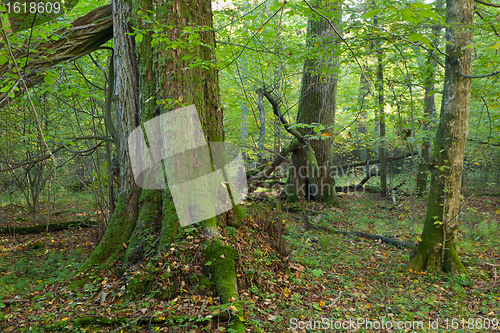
[(260, 179), (257, 177), (397, 243), (294, 145)]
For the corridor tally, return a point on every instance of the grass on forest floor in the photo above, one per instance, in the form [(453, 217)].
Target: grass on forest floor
[(334, 278)]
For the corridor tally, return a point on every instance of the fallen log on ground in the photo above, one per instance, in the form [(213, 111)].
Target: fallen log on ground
[(36, 229), (357, 188), (125, 321), (261, 180), (397, 243)]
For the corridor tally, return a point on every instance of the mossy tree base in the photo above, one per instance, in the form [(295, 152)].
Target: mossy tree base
[(431, 254), (432, 259), (437, 250), (115, 240), (153, 79)]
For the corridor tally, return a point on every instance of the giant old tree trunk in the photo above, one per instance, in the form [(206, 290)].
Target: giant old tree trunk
[(437, 250), (317, 105), (152, 79)]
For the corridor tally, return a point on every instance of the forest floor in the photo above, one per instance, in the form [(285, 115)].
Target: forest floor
[(289, 279)]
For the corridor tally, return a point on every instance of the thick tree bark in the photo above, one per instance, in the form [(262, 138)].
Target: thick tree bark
[(145, 220), (437, 250), (317, 105)]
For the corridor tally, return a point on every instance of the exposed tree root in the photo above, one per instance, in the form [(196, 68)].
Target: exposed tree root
[(221, 258), (296, 209)]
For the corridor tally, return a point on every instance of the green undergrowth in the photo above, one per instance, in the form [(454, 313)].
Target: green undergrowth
[(287, 277), (340, 280), (27, 265), (169, 289)]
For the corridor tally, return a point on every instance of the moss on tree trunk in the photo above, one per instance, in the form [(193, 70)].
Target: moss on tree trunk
[(151, 79), (437, 250), (221, 258), (117, 235)]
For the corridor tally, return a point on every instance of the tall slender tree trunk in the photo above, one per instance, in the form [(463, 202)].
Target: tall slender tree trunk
[(317, 105), (437, 250), (379, 86), (364, 89), (244, 106), (262, 120), (381, 121), (244, 126), (429, 111)]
